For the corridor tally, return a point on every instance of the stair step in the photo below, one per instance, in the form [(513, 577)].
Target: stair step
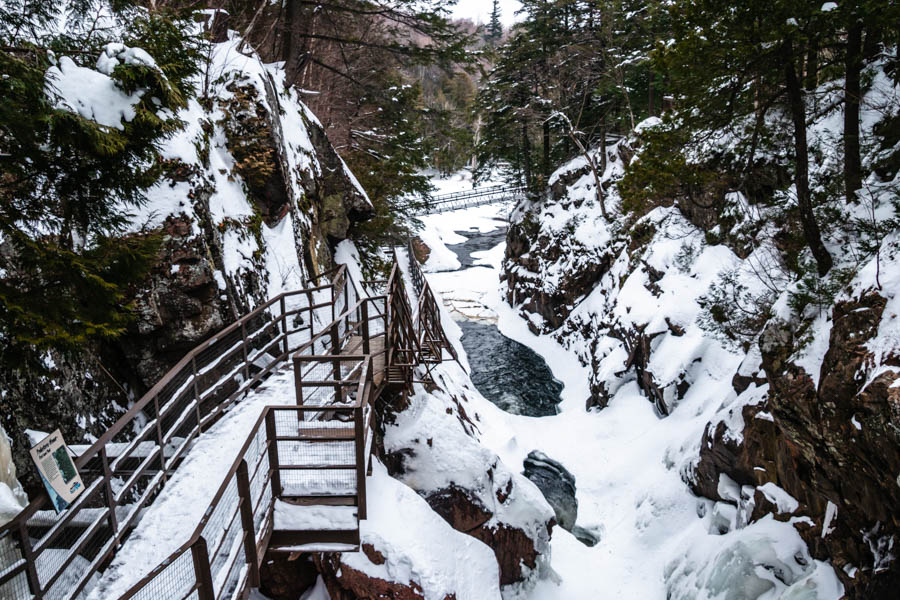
[(317, 547), (308, 518)]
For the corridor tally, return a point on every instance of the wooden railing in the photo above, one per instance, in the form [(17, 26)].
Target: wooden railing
[(432, 339), (44, 554), (340, 345)]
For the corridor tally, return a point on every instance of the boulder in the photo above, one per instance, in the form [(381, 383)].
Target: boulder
[(557, 485)]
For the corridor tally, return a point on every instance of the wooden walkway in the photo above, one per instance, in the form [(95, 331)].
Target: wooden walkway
[(298, 483)]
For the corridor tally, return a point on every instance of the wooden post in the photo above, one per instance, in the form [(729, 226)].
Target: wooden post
[(273, 453), (284, 327), (200, 554), (34, 583), (312, 315), (361, 467), (298, 380), (336, 362), (246, 499), (110, 497), (365, 327)]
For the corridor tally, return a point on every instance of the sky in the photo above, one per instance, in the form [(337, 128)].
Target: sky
[(480, 10)]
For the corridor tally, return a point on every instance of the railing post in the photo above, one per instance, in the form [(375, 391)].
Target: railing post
[(312, 315), (273, 453), (284, 327), (365, 326), (110, 497), (200, 554), (298, 380), (246, 499), (159, 439), (34, 583), (360, 435), (336, 362)]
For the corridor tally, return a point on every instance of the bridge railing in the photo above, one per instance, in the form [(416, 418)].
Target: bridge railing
[(432, 338), (48, 555), (471, 198), (222, 557)]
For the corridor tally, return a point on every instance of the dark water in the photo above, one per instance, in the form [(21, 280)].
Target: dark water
[(509, 374), (477, 242)]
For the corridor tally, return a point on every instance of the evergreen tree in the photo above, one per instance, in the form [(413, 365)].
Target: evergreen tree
[(67, 182), (495, 27)]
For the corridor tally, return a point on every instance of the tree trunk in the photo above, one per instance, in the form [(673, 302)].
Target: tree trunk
[(545, 166), (812, 66), (801, 172), (526, 156), (853, 69)]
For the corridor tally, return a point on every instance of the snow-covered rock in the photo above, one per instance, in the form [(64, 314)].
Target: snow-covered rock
[(433, 447), (409, 552)]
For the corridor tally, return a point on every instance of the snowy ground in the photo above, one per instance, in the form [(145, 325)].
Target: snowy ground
[(653, 543)]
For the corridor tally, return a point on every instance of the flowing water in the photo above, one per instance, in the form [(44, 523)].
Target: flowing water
[(509, 374)]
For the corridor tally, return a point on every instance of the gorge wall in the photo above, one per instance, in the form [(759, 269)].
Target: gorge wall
[(806, 425)]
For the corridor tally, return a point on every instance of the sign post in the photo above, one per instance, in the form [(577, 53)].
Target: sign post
[(58, 472)]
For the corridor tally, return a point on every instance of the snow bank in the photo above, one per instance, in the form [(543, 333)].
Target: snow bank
[(418, 546)]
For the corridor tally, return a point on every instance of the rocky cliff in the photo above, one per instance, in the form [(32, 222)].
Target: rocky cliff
[(798, 419)]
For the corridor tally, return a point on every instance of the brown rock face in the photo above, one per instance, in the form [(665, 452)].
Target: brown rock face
[(512, 547), (286, 576), (347, 583), (838, 444), (178, 307), (526, 252)]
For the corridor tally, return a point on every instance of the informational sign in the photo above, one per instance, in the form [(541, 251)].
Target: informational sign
[(57, 471)]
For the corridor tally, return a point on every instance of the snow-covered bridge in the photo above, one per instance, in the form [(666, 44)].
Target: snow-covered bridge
[(257, 440), (470, 198)]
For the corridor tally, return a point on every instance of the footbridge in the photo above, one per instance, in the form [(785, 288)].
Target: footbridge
[(469, 198), (257, 441)]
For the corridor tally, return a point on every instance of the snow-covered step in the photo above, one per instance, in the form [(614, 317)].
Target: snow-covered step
[(314, 528), (317, 517), (319, 547)]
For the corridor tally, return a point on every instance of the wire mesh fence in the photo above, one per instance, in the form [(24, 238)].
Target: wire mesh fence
[(127, 467), (315, 449)]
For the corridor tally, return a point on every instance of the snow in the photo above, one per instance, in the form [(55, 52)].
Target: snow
[(628, 463), (91, 94), (419, 546), (830, 514), (290, 517), (316, 592), (780, 498)]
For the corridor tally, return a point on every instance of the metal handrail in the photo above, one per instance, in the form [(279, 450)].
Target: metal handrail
[(402, 350), (155, 464)]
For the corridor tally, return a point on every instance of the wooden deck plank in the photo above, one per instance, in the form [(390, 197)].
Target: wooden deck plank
[(376, 348)]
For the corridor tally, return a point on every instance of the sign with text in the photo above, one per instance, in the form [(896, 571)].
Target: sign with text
[(57, 471)]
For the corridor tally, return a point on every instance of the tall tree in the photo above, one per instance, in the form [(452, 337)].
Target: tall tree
[(495, 27)]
